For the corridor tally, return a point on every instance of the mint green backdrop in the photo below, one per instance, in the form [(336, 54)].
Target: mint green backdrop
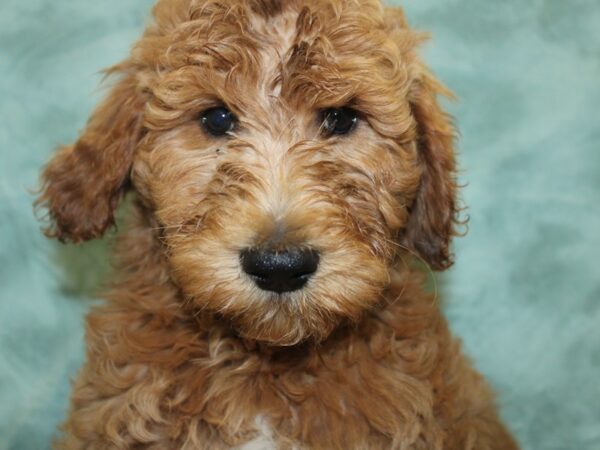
[(524, 293)]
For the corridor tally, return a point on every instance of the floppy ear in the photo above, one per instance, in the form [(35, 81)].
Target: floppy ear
[(83, 182), (434, 213)]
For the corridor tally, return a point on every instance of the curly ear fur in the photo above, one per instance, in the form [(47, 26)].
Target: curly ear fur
[(82, 184), (434, 211)]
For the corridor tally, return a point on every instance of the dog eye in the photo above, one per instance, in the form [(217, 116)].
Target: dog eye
[(339, 120), (217, 121)]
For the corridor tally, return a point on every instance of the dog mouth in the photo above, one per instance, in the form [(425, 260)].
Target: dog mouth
[(273, 288)]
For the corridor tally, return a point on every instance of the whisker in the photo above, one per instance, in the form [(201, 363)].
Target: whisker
[(427, 266), (403, 286)]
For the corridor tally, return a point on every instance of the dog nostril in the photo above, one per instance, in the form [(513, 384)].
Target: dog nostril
[(280, 271)]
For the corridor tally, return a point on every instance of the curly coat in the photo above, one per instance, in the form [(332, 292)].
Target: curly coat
[(187, 352)]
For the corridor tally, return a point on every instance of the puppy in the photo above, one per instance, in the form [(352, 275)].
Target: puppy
[(288, 161)]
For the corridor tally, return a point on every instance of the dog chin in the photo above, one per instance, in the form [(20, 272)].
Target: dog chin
[(280, 337), (277, 326), (285, 333)]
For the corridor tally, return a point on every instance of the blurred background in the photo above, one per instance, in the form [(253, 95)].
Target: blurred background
[(524, 294)]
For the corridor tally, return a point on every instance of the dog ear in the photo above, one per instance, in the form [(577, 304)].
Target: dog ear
[(433, 213), (83, 183)]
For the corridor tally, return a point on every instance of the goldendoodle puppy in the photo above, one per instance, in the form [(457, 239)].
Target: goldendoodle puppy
[(287, 161)]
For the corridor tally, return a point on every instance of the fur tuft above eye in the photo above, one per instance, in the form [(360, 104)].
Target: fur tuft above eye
[(339, 121)]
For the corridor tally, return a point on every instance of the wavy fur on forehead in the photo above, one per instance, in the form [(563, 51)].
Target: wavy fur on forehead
[(187, 353), (322, 53)]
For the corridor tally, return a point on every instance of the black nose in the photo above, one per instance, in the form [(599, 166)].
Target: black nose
[(280, 271)]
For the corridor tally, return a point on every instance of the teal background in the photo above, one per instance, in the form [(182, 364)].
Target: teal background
[(524, 293)]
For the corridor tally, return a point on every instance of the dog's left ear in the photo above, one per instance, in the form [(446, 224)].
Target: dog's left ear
[(83, 182), (433, 213)]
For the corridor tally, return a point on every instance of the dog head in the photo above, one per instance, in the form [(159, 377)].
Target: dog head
[(289, 152)]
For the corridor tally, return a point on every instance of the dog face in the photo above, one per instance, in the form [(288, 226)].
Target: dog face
[(287, 154)]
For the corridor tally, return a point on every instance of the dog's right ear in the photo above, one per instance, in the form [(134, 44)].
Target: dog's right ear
[(82, 184)]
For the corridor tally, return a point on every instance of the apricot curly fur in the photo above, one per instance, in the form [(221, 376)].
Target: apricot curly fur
[(187, 352)]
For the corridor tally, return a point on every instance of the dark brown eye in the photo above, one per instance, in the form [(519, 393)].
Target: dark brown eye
[(339, 120), (217, 121)]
